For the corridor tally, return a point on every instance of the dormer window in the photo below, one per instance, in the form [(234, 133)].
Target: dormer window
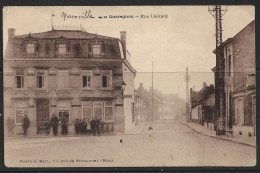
[(62, 49), (30, 48), (96, 50)]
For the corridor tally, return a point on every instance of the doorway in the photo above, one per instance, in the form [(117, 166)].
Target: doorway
[(42, 115)]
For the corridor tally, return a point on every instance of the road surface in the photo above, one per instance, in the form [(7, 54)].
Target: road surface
[(170, 143)]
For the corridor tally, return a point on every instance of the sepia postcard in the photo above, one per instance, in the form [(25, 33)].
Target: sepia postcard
[(129, 86)]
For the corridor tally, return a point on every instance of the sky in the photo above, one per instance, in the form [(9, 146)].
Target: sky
[(186, 38)]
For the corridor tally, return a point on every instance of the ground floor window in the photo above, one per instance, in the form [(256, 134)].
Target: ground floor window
[(64, 114), (87, 109), (20, 111), (108, 111), (100, 109), (19, 114)]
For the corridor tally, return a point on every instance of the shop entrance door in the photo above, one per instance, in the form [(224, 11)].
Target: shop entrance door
[(42, 115)]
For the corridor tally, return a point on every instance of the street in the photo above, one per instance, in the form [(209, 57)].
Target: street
[(170, 143)]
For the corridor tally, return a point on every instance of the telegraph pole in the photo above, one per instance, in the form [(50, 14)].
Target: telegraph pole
[(217, 12), (52, 15), (187, 79)]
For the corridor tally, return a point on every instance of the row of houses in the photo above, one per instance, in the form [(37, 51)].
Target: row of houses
[(159, 106), (203, 106), (234, 108)]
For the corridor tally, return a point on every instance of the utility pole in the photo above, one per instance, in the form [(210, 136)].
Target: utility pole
[(187, 79), (52, 15), (217, 12)]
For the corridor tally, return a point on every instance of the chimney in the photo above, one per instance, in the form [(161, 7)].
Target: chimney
[(123, 40), (11, 33)]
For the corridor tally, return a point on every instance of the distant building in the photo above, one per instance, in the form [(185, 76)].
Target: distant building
[(140, 109), (238, 54), (70, 73), (164, 106), (203, 105)]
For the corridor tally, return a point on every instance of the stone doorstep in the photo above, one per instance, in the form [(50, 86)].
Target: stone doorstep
[(207, 132)]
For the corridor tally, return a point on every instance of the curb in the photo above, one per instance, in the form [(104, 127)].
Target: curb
[(243, 143)]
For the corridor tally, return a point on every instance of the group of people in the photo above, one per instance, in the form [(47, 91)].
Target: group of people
[(54, 124), (93, 125)]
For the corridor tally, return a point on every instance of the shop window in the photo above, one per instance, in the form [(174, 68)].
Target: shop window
[(30, 48), (64, 114), (19, 79), (19, 114), (98, 105), (87, 109), (86, 81), (108, 111), (96, 49), (62, 48), (20, 111)]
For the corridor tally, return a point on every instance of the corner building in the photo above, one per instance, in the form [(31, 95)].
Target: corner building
[(70, 73)]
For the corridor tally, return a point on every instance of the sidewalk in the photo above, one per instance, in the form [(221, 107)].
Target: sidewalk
[(234, 138), (137, 129)]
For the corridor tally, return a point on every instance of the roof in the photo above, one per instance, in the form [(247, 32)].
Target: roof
[(231, 39), (223, 44), (71, 34)]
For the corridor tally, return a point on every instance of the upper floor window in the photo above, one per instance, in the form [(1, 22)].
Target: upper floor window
[(96, 50), (250, 79), (62, 48), (30, 48), (40, 80), (105, 80), (86, 81), (229, 66), (106, 77), (86, 78), (19, 79)]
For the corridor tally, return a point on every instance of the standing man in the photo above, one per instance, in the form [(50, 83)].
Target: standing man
[(93, 126), (76, 125), (98, 125), (64, 125), (54, 123), (25, 124)]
